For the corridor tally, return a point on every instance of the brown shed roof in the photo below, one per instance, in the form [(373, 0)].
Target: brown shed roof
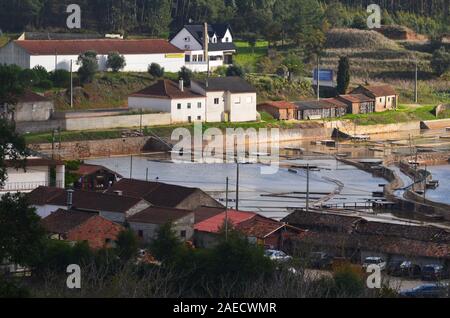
[(356, 98), (166, 89), (380, 90), (279, 104), (158, 215), (104, 46), (62, 221)]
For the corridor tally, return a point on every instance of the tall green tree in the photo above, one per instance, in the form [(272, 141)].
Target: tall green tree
[(343, 75), (89, 66)]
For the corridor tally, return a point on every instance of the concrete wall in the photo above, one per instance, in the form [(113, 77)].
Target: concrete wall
[(33, 111), (14, 54), (350, 128), (242, 107), (104, 122), (436, 124)]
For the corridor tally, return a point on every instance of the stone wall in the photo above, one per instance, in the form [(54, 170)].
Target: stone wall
[(350, 128), (102, 122)]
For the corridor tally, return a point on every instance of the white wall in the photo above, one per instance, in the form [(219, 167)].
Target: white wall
[(150, 104), (135, 62), (227, 34), (180, 42), (14, 54), (182, 115), (242, 107)]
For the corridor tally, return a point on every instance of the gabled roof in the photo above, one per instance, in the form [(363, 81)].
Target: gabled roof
[(204, 212), (196, 30), (159, 194), (158, 215), (83, 200), (279, 104), (76, 47), (166, 89), (87, 169), (30, 97), (214, 224), (233, 84), (356, 98), (379, 90), (63, 221), (323, 221)]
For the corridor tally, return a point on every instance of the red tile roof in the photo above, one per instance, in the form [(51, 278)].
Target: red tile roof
[(379, 90), (62, 221), (213, 225), (158, 215), (280, 105), (76, 47), (204, 212), (166, 89)]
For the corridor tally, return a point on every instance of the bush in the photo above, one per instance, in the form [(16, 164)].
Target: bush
[(235, 70), (156, 70), (60, 78), (41, 73), (186, 75), (28, 78), (115, 62), (89, 66), (45, 84), (440, 62)]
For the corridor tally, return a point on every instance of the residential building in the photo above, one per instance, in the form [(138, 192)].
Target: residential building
[(279, 110), (219, 43), (30, 107), (164, 195), (228, 99), (114, 207), (357, 238), (147, 223), (258, 229), (358, 103), (325, 108), (94, 177), (386, 98), (37, 172), (58, 54), (166, 96), (78, 226)]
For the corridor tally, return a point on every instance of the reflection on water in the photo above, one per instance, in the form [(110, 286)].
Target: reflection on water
[(442, 193)]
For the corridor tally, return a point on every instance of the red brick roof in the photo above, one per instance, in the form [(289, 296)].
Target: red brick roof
[(104, 46), (166, 89), (158, 215), (203, 213), (280, 105), (213, 225)]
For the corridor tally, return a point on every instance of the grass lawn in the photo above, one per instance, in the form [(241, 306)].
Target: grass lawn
[(248, 56), (403, 114)]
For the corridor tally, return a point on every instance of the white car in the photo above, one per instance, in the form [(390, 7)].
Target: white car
[(375, 261), (278, 256)]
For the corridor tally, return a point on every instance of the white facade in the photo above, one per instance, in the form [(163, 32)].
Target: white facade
[(32, 178), (182, 110), (14, 54)]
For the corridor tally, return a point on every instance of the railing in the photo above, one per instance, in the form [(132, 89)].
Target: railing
[(29, 186)]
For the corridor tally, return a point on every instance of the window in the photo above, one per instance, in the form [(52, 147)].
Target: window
[(179, 106), (187, 58), (200, 58), (381, 100), (140, 233), (199, 117), (199, 105), (216, 101), (187, 39), (238, 100), (194, 58), (183, 234), (189, 105), (227, 39), (190, 119)]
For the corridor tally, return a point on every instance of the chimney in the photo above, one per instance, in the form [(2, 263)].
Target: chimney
[(70, 199), (181, 85)]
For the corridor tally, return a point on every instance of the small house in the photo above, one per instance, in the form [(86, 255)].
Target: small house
[(386, 98), (30, 107), (94, 177), (279, 110), (358, 103), (325, 108)]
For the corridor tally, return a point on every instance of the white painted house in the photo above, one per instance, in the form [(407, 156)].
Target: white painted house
[(220, 46), (58, 54), (224, 99), (38, 172)]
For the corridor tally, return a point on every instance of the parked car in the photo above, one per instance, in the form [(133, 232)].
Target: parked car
[(278, 256), (394, 268), (375, 261), (427, 291), (411, 270), (433, 272), (320, 260)]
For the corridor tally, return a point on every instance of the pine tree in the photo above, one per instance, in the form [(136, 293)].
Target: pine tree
[(343, 76)]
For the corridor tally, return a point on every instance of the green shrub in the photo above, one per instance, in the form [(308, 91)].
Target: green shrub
[(45, 84), (60, 78)]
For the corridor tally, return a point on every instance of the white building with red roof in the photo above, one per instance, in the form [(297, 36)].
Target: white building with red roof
[(58, 54)]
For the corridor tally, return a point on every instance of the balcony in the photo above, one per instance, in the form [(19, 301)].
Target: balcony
[(28, 186)]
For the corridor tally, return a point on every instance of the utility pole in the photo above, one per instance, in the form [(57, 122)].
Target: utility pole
[(318, 77), (307, 188), (237, 185), (226, 211), (416, 87), (71, 84)]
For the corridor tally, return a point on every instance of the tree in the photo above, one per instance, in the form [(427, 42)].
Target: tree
[(127, 245), (186, 75), (235, 70), (156, 70), (440, 62), (89, 66), (115, 62), (166, 246), (343, 75), (359, 22), (11, 87), (60, 78), (21, 235), (251, 38), (28, 78), (294, 65)]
